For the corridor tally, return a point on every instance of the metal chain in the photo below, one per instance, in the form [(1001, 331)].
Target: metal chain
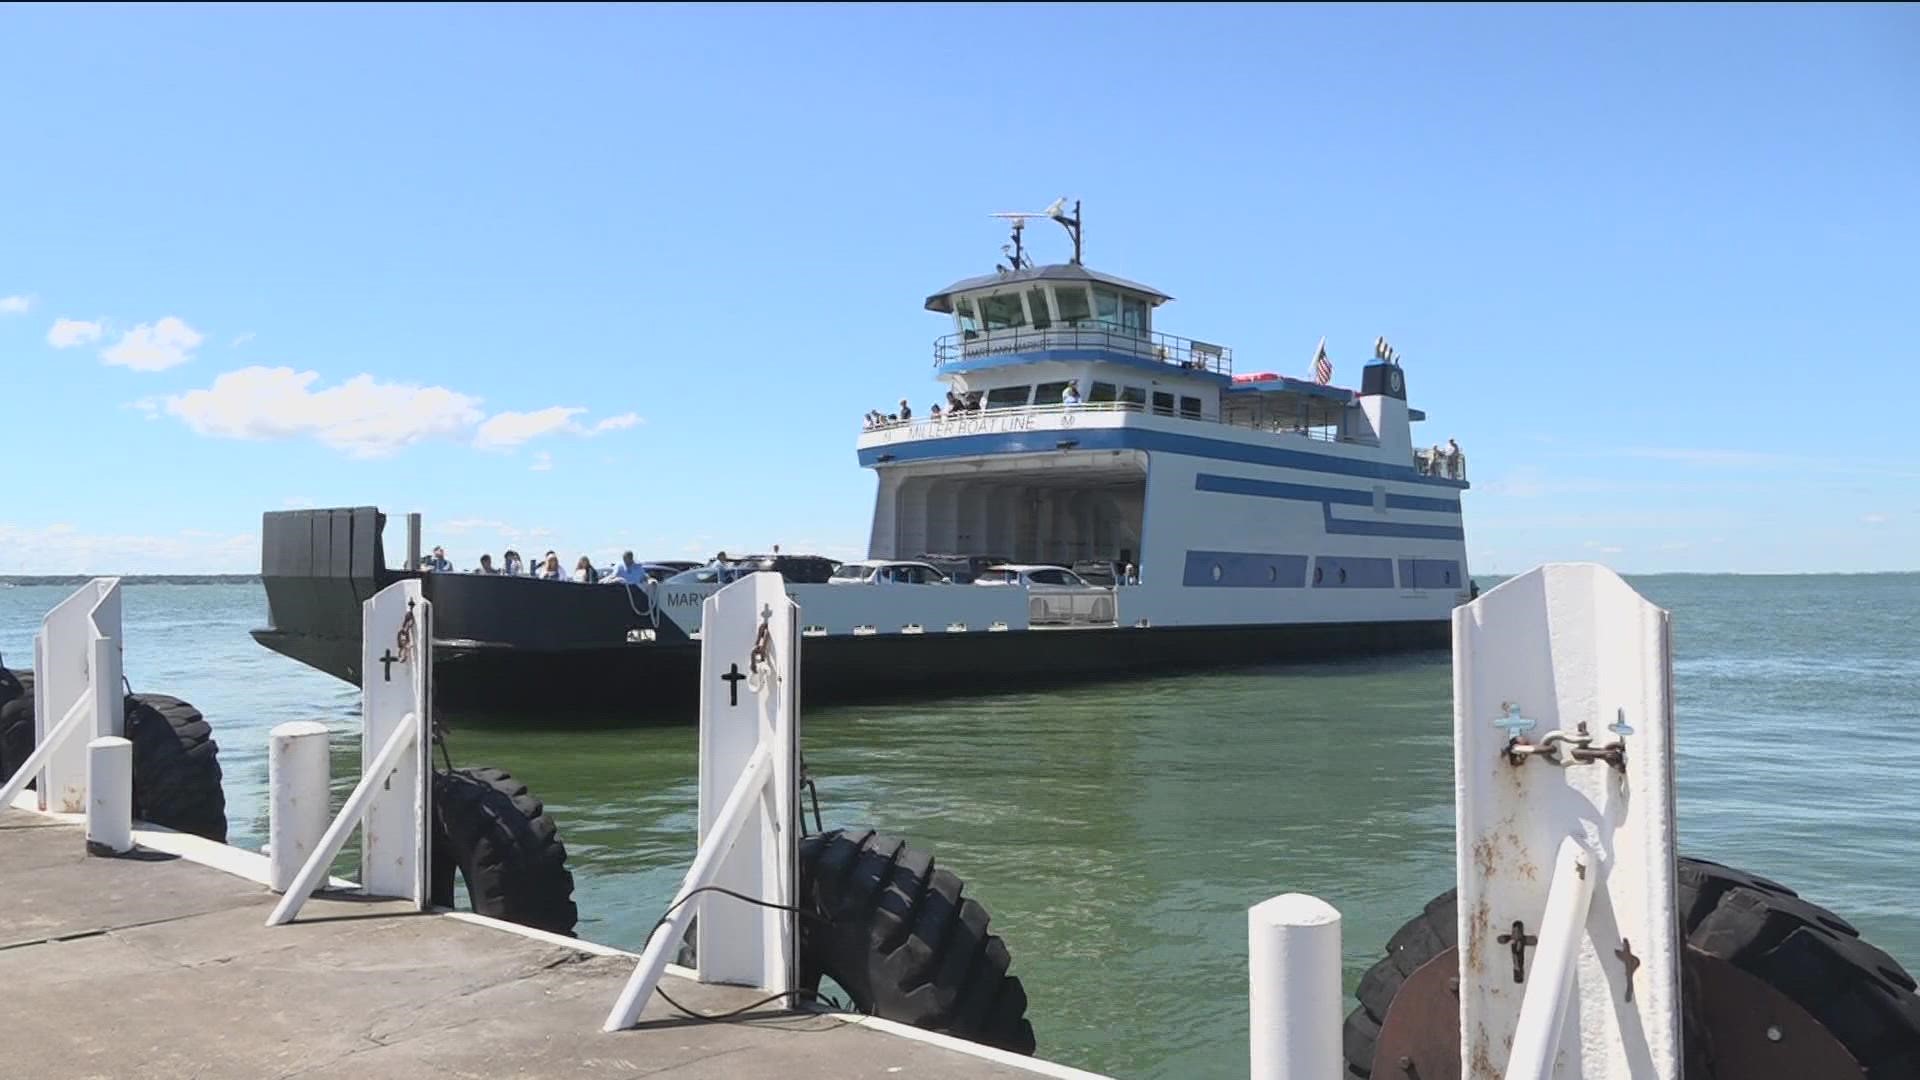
[(403, 641)]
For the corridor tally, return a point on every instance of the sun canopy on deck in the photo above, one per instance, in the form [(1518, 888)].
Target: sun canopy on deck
[(1280, 403)]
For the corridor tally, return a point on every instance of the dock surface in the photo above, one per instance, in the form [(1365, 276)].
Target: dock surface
[(158, 966)]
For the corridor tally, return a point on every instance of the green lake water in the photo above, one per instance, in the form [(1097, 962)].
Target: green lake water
[(1118, 832)]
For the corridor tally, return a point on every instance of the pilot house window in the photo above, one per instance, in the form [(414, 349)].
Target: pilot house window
[(1049, 393), (1073, 304), (1162, 403), (1133, 395), (1102, 391), (1190, 408), (1037, 308), (1002, 312)]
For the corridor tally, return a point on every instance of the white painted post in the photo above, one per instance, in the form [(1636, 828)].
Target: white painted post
[(396, 664), (298, 776), (1543, 1008), (389, 804), (749, 791), (109, 796), (740, 711), (76, 651), (390, 758), (1293, 964), (1542, 654)]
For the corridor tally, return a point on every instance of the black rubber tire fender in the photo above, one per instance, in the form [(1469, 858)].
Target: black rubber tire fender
[(1862, 996), (505, 846), (896, 933), (176, 767), (16, 720)]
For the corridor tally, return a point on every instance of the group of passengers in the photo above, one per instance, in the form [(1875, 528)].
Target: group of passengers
[(1444, 461), (957, 404), (546, 568)]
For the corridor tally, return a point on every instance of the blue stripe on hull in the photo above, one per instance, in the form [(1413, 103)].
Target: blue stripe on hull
[(1049, 440), (1245, 569), (1327, 497)]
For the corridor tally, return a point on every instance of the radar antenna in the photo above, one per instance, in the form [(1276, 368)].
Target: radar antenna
[(1016, 252)]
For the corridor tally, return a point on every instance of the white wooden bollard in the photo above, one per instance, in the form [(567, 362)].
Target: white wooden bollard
[(109, 796), (1293, 967), (76, 662), (298, 777), (749, 793), (1563, 730)]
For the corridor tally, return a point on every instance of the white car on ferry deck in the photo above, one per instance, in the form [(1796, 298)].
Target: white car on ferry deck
[(1033, 576), (886, 572)]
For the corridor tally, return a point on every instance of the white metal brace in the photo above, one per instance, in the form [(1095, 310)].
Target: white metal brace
[(76, 664), (391, 799), (1563, 769), (749, 794)]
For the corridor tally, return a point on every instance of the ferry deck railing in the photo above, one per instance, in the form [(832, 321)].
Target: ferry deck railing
[(1166, 348), (1436, 462)]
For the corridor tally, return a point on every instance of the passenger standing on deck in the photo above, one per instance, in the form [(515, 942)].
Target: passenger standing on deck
[(1456, 469), (906, 413), (584, 573), (628, 571), (1072, 396), (439, 563), (511, 565), (486, 565), (550, 568)]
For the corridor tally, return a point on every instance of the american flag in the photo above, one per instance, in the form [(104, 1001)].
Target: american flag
[(1322, 367)]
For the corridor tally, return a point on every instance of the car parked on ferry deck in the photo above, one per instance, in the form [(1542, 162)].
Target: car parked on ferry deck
[(1033, 576), (887, 572)]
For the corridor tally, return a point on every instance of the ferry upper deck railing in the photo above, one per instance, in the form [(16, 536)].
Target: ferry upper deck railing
[(1439, 461), (1165, 348)]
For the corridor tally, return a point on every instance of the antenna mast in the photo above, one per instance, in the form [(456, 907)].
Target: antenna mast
[(1071, 224)]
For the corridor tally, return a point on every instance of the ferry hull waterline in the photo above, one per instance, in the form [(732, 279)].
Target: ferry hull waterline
[(1243, 519)]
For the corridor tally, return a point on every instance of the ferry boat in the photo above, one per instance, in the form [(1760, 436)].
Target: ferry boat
[(1247, 518)]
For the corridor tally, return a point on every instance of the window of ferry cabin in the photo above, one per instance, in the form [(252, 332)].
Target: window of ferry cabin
[(1162, 403), (1133, 316), (1106, 306), (1190, 407), (1003, 312), (1008, 397), (1133, 395), (1049, 393), (1072, 304), (1037, 308), (969, 320), (1102, 391)]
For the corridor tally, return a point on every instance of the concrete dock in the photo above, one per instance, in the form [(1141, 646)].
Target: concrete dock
[(159, 965)]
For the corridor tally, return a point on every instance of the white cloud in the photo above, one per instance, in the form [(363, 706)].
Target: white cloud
[(63, 549), (362, 416), (240, 340), (298, 502), (68, 333), (615, 423), (506, 430), (15, 305), (542, 462), (154, 346), (1873, 519), (509, 429)]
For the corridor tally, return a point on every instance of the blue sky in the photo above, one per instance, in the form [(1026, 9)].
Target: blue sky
[(1654, 268)]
